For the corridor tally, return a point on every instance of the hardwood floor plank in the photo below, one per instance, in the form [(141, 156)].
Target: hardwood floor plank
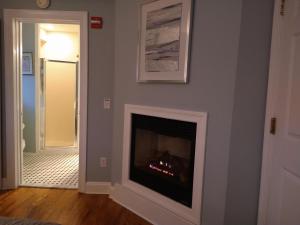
[(66, 207)]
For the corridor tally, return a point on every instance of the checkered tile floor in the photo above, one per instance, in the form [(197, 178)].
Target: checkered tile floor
[(51, 168)]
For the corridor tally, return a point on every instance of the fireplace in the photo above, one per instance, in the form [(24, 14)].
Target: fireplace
[(162, 156), (162, 164)]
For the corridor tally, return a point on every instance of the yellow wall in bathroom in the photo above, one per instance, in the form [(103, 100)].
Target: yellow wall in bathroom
[(60, 104), (60, 86), (63, 46)]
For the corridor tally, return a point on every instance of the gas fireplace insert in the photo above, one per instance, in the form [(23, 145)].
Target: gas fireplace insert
[(162, 155)]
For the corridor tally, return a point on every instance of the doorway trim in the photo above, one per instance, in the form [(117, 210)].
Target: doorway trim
[(12, 17), (268, 142)]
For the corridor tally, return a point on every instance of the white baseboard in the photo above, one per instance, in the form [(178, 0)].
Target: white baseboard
[(145, 208), (90, 187), (98, 187)]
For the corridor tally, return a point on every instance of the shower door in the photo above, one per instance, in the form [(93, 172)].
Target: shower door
[(60, 104)]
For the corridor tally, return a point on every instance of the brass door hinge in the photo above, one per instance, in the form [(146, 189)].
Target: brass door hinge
[(282, 7), (273, 125)]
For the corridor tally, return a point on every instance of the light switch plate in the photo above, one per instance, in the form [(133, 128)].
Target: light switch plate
[(107, 103), (103, 162)]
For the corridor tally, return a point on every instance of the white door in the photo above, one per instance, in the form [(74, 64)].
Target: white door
[(280, 189)]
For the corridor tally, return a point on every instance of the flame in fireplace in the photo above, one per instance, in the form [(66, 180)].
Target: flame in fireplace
[(165, 171)]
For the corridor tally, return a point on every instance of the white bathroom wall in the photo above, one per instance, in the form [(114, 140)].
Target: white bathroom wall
[(60, 104)]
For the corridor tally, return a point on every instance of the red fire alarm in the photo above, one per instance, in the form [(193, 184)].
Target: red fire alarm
[(96, 22)]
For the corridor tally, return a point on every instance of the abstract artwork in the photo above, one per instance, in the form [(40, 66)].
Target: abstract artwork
[(164, 40)]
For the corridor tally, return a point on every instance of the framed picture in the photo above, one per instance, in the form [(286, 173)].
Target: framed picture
[(27, 63), (164, 41)]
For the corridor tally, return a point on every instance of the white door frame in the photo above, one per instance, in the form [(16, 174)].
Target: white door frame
[(12, 17), (270, 113)]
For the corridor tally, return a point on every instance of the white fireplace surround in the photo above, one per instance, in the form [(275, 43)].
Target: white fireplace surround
[(147, 203)]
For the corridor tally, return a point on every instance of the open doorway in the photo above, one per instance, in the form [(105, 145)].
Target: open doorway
[(49, 150), (33, 66)]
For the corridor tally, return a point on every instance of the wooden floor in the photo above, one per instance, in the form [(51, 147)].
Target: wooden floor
[(66, 207)]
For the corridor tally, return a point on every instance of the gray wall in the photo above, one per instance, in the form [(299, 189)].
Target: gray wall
[(29, 112), (1, 112), (101, 67), (248, 114), (29, 91), (228, 72), (225, 51), (213, 64)]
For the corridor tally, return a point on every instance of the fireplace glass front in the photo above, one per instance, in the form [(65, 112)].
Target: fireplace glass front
[(162, 156)]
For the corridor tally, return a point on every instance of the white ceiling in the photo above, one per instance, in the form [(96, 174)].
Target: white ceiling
[(60, 27)]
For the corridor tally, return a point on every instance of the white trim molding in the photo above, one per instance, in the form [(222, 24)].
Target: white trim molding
[(145, 208), (134, 195), (98, 188), (12, 20)]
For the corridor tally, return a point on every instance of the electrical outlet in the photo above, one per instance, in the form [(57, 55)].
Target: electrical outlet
[(103, 162)]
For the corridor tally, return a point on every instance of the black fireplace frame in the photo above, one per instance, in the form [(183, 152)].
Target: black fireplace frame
[(169, 127)]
